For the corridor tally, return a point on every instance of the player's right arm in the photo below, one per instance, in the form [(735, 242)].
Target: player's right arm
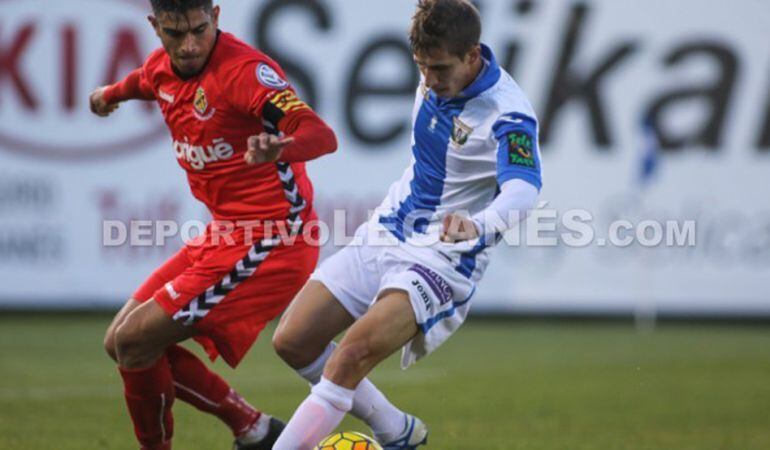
[(106, 99)]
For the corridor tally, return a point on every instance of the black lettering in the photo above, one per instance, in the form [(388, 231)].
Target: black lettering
[(567, 85), (523, 7), (30, 246), (360, 89), (301, 77), (716, 95), (512, 52), (511, 58), (763, 144)]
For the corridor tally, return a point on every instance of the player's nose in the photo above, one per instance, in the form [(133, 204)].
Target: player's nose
[(189, 47)]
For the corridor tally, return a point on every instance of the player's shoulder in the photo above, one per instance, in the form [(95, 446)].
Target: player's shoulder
[(504, 99), (155, 61), (235, 55)]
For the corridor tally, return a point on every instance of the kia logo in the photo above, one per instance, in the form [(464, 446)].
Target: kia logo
[(52, 55)]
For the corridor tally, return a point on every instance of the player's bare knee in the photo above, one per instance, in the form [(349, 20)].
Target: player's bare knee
[(130, 348), (292, 350), (109, 344)]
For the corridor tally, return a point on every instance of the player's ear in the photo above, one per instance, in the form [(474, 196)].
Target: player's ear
[(154, 22), (215, 16), (474, 54)]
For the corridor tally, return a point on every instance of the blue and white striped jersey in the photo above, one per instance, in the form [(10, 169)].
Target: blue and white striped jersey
[(463, 149)]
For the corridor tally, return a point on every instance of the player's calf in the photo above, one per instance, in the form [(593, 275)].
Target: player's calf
[(367, 342), (351, 362)]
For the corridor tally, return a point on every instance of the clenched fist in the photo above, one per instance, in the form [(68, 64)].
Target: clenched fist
[(99, 106)]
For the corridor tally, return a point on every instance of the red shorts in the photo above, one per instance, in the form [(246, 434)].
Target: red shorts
[(229, 292)]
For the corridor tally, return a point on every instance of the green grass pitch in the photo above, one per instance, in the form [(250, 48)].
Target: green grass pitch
[(495, 385)]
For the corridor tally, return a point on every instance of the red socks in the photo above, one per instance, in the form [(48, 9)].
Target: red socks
[(197, 385), (149, 395)]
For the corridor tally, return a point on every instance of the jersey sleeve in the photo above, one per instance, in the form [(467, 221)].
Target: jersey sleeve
[(136, 85), (264, 93), (518, 152), (261, 90)]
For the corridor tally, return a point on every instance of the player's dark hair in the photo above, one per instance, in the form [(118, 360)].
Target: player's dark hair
[(452, 25), (180, 6)]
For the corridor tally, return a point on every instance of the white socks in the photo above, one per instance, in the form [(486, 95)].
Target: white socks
[(316, 417), (369, 404), (313, 372)]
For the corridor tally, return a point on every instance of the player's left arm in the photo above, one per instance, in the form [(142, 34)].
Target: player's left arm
[(293, 131), (305, 135), (518, 175)]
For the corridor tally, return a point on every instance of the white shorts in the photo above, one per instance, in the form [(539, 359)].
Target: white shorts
[(376, 261)]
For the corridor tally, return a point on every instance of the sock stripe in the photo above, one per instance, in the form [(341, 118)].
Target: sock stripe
[(198, 395), (162, 413)]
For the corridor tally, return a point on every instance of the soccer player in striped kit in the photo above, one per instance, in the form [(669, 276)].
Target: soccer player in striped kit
[(408, 280), (242, 136)]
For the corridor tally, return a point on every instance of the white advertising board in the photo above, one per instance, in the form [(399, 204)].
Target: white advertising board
[(593, 71)]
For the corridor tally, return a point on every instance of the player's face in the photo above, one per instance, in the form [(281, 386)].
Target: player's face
[(188, 38), (447, 74)]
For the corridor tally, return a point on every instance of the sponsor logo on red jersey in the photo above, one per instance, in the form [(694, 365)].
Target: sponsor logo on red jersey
[(198, 155)]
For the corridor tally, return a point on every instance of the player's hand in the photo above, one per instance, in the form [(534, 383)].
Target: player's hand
[(457, 228), (99, 106), (265, 147)]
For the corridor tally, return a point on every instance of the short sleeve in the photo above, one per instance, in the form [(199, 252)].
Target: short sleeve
[(518, 153)]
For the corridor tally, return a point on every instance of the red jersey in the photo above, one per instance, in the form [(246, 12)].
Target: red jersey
[(240, 93)]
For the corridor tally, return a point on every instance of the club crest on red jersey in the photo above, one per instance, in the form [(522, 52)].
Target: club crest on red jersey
[(200, 103), (201, 106)]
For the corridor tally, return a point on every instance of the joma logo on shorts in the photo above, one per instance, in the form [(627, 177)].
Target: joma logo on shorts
[(423, 294), (198, 156), (439, 285)]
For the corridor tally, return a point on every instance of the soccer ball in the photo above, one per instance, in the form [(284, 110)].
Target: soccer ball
[(348, 440)]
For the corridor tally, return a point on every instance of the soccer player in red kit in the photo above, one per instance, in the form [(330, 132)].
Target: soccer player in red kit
[(242, 136)]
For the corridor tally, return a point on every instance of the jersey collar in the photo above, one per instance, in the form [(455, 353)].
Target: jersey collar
[(488, 77)]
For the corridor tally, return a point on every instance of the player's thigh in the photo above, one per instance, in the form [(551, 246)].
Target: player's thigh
[(388, 325), (165, 273), (312, 320)]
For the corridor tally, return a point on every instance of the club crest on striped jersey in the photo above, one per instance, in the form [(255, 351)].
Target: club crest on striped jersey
[(460, 132), (269, 78), (201, 106)]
